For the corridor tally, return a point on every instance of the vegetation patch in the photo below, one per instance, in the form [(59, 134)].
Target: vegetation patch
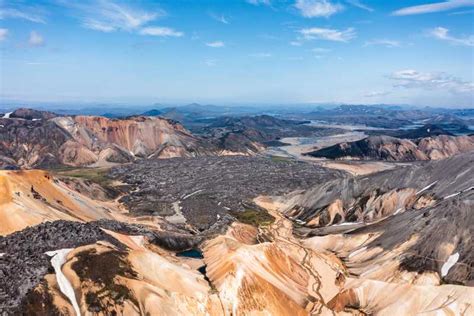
[(253, 217), (96, 175), (281, 159)]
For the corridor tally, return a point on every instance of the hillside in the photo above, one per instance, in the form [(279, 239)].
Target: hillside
[(396, 149), (37, 139)]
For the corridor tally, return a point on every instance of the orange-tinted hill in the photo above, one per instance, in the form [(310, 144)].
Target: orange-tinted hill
[(31, 197)]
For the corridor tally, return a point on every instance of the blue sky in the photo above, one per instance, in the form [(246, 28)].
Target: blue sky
[(238, 51)]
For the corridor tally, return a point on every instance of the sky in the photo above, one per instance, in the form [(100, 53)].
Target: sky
[(238, 51)]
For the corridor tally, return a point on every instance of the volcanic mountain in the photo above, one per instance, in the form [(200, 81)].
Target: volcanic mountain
[(396, 149), (31, 139)]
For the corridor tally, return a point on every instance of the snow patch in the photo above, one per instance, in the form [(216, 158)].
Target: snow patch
[(451, 195), (58, 257), (191, 194), (399, 210), (7, 115), (449, 264), (345, 224), (426, 188), (355, 253)]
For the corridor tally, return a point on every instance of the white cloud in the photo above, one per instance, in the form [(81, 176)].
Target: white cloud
[(384, 42), (24, 13), (98, 26), (210, 62), (216, 44), (328, 34), (296, 43), (35, 39), (160, 31), (462, 12), (3, 34), (261, 55), (360, 5), (108, 16), (317, 8), (219, 18), (410, 78), (375, 94), (320, 50), (434, 7), (259, 2), (442, 33)]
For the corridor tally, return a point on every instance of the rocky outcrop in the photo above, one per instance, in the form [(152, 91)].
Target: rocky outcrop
[(396, 149)]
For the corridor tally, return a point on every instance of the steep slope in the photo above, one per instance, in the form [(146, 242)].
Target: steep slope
[(395, 149), (28, 143), (141, 136), (40, 139), (370, 198), (31, 197), (109, 267)]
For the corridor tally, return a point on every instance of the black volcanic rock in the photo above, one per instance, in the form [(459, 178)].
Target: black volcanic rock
[(208, 188), (24, 262)]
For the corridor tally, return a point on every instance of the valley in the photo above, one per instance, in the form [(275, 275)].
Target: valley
[(191, 224)]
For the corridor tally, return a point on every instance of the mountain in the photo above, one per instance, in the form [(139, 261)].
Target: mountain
[(251, 134), (396, 149), (153, 112), (30, 114), (51, 140), (400, 234), (426, 130)]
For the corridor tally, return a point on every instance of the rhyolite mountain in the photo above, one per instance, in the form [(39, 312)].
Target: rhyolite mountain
[(397, 149), (31, 139)]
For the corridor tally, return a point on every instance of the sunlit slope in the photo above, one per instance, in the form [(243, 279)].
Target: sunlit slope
[(33, 196)]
